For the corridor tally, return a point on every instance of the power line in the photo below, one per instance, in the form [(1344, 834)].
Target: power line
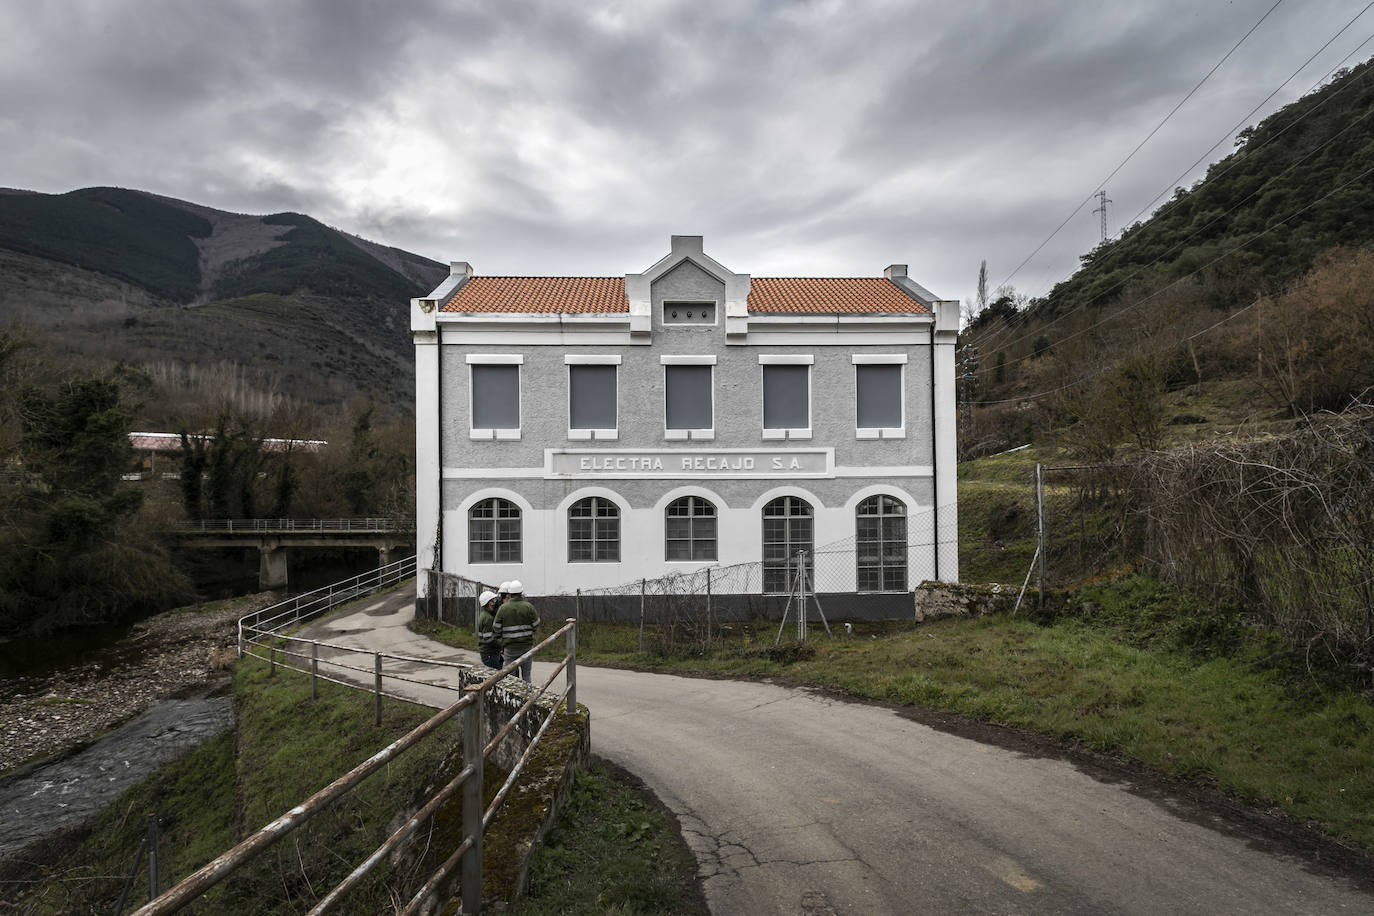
[(1242, 121), (1177, 245), (1138, 146), (1024, 317), (1189, 275)]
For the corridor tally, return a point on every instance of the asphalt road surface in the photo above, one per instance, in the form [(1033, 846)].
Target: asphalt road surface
[(797, 803)]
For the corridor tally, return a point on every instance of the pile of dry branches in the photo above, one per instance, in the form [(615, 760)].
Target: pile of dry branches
[(1283, 526)]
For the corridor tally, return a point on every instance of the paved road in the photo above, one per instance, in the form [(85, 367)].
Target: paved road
[(796, 803)]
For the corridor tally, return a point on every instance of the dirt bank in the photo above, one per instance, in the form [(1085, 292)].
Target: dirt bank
[(173, 654)]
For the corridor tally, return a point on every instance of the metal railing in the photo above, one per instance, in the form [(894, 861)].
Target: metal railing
[(361, 525), (266, 634), (306, 606)]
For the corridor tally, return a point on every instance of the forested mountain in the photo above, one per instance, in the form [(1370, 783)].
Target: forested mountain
[(1299, 183), (131, 276)]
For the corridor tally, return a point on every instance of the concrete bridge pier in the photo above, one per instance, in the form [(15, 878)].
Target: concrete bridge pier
[(271, 566)]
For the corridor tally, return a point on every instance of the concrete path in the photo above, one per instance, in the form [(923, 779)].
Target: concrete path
[(796, 803), (64, 794)]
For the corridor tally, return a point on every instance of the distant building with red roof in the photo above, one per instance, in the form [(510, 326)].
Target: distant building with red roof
[(587, 432)]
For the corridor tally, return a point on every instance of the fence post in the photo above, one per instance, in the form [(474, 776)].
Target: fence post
[(641, 615), (577, 604), (708, 609), (471, 876), (572, 665), (314, 670), (152, 856), (240, 637), (377, 685), (1040, 530)]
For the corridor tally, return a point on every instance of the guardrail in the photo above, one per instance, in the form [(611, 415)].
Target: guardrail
[(298, 524), (312, 604), (265, 632)]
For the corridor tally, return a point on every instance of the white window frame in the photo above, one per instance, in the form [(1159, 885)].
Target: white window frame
[(688, 360), (788, 359), (496, 359), (880, 359), (686, 304), (593, 359)]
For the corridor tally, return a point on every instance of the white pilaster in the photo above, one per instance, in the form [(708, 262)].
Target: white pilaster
[(946, 445), (427, 470)]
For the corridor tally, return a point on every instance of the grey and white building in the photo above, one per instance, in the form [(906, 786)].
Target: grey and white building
[(587, 432)]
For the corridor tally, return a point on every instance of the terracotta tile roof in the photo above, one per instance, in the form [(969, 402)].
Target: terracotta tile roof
[(559, 295), (830, 296), (606, 295)]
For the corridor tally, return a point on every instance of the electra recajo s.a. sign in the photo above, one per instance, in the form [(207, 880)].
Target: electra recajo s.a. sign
[(695, 462)]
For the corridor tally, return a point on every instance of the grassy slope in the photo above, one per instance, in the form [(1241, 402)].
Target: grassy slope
[(288, 746)]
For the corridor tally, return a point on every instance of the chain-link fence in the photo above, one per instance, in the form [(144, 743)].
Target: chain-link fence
[(867, 576)]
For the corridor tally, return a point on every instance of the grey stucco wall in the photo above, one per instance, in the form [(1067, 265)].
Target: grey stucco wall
[(737, 384), (734, 494)]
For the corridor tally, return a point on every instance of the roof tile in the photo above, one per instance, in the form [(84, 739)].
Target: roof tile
[(830, 296), (606, 295), (557, 295)]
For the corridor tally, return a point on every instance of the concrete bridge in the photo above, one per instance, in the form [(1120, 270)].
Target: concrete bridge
[(391, 537)]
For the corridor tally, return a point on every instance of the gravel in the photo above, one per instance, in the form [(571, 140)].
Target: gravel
[(178, 653)]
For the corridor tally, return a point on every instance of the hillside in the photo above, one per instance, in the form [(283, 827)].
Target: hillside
[(126, 275), (1242, 304), (1298, 184)]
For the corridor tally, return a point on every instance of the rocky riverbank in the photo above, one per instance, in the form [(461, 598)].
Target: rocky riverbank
[(179, 653)]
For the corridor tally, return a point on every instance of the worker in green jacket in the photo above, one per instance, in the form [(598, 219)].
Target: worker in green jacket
[(487, 646), (514, 628)]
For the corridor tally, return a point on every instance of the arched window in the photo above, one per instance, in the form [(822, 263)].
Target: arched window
[(880, 544), (494, 532), (787, 528), (594, 531), (689, 526)]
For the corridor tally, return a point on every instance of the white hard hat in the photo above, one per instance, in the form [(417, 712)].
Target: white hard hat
[(485, 597), (504, 588), (515, 588)]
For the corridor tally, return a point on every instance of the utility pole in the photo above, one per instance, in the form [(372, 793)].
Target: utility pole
[(1102, 201)]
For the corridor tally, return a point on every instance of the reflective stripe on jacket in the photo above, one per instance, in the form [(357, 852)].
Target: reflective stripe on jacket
[(515, 624), (487, 643)]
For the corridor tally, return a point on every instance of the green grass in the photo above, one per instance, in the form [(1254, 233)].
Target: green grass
[(610, 851), (1131, 669), (287, 747)]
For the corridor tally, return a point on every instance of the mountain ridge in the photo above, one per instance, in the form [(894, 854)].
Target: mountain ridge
[(142, 277)]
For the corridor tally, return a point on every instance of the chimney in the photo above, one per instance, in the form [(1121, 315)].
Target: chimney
[(461, 269), (894, 270)]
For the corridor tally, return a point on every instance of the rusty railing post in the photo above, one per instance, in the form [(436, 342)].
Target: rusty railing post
[(377, 685), (572, 665), (152, 856), (471, 876)]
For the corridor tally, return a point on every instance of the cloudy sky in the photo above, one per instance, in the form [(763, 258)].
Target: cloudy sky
[(574, 137)]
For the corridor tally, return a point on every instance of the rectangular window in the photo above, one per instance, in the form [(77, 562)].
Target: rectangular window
[(878, 396), (687, 397), (786, 396), (591, 399), (495, 396)]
